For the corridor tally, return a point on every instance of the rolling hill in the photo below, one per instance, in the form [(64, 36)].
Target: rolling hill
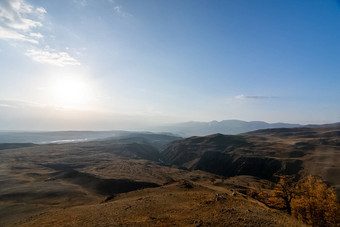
[(262, 153), (143, 179)]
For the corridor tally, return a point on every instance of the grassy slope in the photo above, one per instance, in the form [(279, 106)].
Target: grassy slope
[(263, 153), (169, 205), (33, 194)]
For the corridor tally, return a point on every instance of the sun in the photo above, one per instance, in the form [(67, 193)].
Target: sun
[(70, 91)]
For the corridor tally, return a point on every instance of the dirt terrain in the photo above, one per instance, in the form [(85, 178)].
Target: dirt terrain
[(180, 204), (263, 153), (98, 185), (130, 181)]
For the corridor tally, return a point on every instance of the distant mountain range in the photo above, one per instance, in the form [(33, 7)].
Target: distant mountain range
[(194, 128), (186, 129)]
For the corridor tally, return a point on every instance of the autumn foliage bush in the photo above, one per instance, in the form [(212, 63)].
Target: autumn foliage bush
[(310, 200), (316, 203)]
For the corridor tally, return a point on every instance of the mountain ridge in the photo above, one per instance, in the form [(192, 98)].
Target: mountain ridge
[(196, 128), (262, 153)]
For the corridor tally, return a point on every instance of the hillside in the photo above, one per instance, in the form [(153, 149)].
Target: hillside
[(262, 153), (126, 180), (175, 204), (120, 182)]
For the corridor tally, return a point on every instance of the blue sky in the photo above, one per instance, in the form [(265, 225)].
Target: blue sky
[(109, 64)]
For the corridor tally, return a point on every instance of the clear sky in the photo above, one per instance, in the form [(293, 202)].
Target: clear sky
[(110, 64)]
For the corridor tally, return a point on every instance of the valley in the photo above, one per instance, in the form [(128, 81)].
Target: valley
[(153, 179)]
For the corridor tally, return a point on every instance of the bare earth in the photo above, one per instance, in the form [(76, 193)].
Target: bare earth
[(69, 185), (128, 182), (167, 206)]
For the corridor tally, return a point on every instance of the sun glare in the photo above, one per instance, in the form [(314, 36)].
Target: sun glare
[(70, 92)]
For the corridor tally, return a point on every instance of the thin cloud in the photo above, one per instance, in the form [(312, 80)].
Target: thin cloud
[(82, 3), (6, 103), (120, 12), (2, 105), (52, 57), (118, 9), (19, 21), (36, 35), (17, 16), (13, 35), (254, 97), (41, 10)]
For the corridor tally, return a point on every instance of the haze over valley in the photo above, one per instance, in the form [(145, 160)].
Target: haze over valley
[(169, 113)]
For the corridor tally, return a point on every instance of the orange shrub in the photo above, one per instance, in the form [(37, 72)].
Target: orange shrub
[(316, 203)]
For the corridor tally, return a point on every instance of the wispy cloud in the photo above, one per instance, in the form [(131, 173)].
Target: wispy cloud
[(36, 35), (7, 103), (20, 21), (120, 12), (82, 3), (254, 97), (52, 57), (41, 10), (118, 9), (18, 18), (14, 35), (2, 105)]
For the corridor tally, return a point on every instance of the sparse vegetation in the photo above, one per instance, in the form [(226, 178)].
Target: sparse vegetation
[(316, 203), (283, 193), (108, 181), (310, 200)]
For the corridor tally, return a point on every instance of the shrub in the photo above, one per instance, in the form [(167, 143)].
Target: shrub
[(316, 203), (310, 200)]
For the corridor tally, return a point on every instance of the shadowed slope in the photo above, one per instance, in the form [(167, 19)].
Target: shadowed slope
[(262, 153)]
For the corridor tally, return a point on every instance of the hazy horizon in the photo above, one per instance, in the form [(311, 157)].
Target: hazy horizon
[(132, 65), (133, 125)]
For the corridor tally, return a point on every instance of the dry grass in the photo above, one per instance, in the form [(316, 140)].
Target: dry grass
[(169, 205)]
